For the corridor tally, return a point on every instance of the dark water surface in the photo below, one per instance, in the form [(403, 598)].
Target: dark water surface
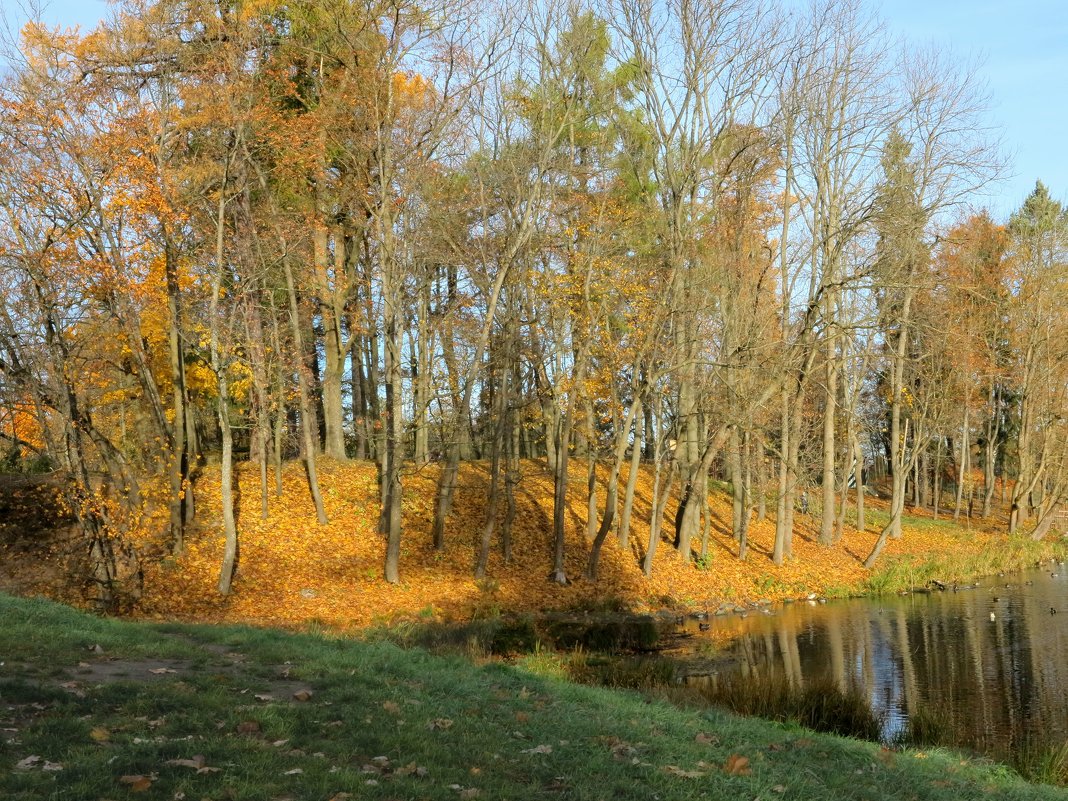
[(992, 660)]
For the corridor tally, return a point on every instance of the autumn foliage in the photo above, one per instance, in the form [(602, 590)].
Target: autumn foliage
[(294, 572), (514, 315)]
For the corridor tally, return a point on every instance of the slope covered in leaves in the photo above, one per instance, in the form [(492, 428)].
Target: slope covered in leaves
[(293, 571)]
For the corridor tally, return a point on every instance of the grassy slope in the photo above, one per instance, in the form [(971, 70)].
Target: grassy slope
[(431, 728)]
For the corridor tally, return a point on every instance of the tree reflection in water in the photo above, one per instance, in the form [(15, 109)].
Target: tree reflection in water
[(999, 681)]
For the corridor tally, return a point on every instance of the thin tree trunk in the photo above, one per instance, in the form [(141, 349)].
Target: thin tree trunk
[(228, 568), (859, 456), (490, 523), (632, 477), (743, 529), (511, 479), (990, 460), (826, 535), (181, 487), (333, 342), (612, 489), (762, 479), (307, 434), (962, 468)]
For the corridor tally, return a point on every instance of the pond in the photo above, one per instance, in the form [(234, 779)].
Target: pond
[(991, 660)]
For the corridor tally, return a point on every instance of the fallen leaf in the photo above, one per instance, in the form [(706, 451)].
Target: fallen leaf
[(263, 697), (248, 727), (303, 695), (28, 763), (439, 724), (704, 738), (538, 749), (197, 762), (100, 734), (162, 670), (391, 707), (737, 765), (137, 783), (675, 770), (470, 792), (522, 717), (293, 772), (779, 788)]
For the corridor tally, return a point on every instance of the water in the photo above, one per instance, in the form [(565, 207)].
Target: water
[(990, 660)]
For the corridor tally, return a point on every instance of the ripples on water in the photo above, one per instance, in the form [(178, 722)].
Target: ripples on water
[(991, 659)]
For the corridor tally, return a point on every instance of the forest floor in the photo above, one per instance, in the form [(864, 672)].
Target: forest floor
[(96, 708), (294, 572)]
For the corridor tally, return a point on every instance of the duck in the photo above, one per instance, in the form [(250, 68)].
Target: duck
[(1052, 611), (704, 626)]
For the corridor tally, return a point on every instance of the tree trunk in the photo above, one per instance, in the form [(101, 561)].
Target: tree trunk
[(306, 414), (859, 456), (632, 477), (612, 489), (962, 468), (490, 523), (394, 425), (826, 535), (333, 342), (993, 431), (228, 568), (179, 467)]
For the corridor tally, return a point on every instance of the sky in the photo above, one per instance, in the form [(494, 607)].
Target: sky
[(1022, 52)]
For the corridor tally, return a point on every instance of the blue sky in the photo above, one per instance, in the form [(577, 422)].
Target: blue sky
[(1023, 47), (1023, 52)]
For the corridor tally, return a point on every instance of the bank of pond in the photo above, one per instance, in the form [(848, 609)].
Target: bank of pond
[(982, 667)]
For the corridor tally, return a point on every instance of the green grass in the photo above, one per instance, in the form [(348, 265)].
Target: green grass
[(385, 722), (905, 573), (821, 705)]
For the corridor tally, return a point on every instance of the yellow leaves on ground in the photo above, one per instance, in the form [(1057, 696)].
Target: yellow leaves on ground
[(293, 571)]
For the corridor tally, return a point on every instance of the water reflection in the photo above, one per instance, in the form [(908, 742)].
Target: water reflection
[(992, 659)]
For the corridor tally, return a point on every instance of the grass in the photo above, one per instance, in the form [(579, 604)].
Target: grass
[(820, 705), (1046, 764), (926, 726), (384, 722), (1004, 554)]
